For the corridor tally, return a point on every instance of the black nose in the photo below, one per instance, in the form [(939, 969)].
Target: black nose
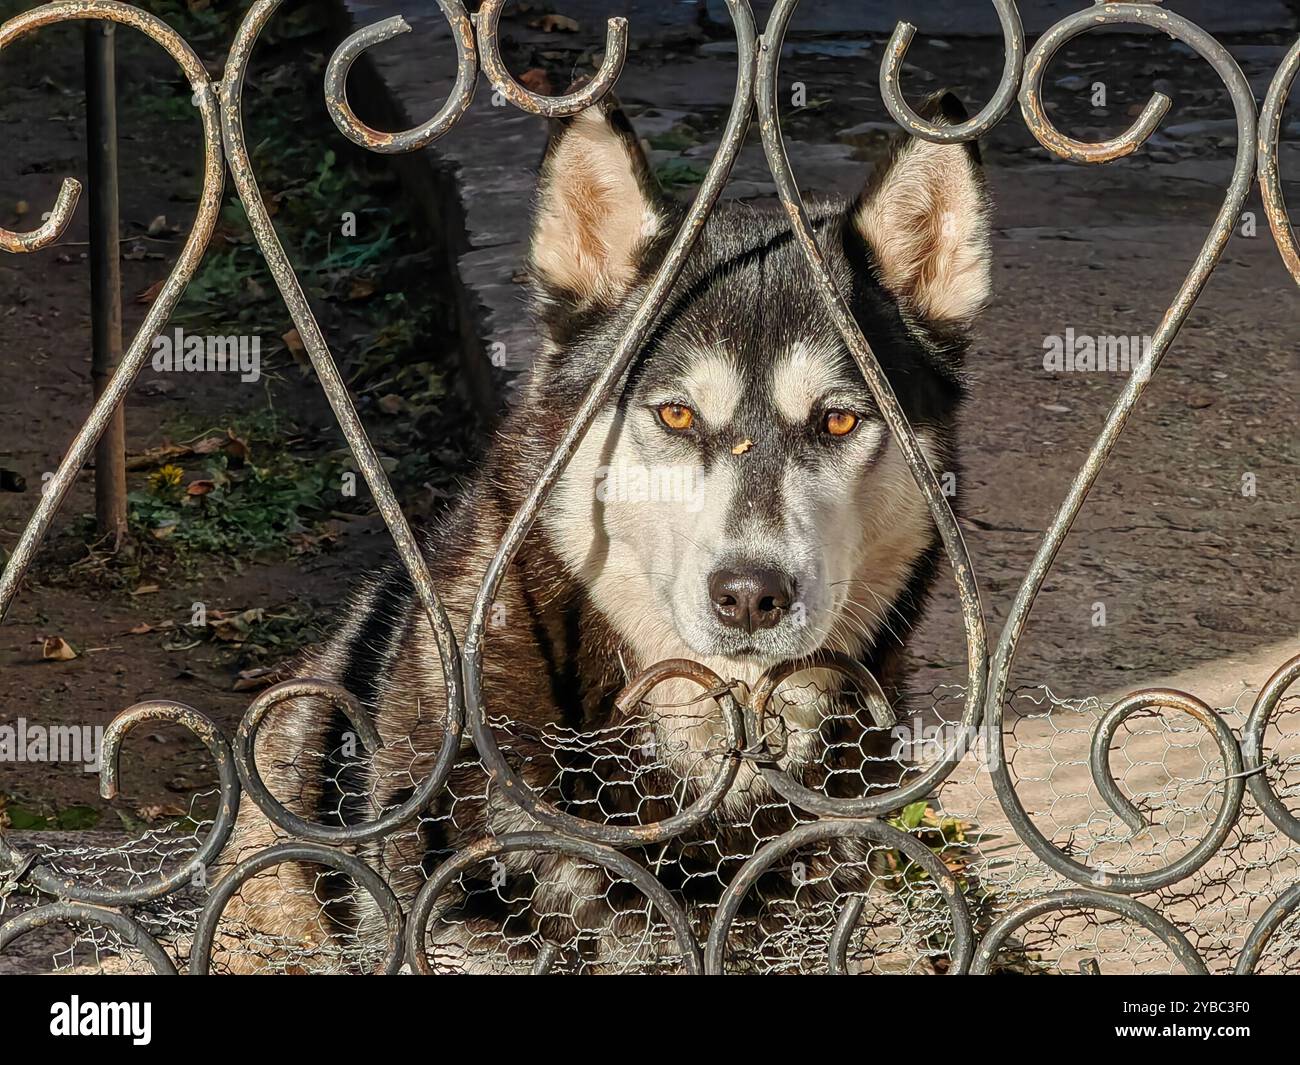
[(751, 599)]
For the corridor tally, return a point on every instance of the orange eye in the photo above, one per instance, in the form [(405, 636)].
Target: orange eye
[(677, 417), (840, 422)]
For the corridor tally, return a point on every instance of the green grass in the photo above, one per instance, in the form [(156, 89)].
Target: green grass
[(679, 173), (23, 818), (236, 507)]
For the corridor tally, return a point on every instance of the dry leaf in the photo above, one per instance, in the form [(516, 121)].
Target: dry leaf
[(293, 341), (148, 295), (391, 404), (147, 589), (209, 445), (252, 679), (158, 456), (555, 24), (199, 488), (537, 80), (304, 542), (57, 649), (234, 628), (236, 447), (361, 289)]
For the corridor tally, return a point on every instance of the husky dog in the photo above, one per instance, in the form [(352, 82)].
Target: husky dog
[(739, 503)]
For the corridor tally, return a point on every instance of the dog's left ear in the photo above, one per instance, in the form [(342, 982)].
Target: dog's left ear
[(925, 217), (599, 207)]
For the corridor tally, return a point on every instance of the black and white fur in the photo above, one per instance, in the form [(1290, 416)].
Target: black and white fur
[(605, 587)]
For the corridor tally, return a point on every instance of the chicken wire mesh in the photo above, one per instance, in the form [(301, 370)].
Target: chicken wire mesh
[(517, 914)]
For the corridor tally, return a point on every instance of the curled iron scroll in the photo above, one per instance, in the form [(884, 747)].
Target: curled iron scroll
[(315, 854), (823, 831), (548, 843), (336, 83), (901, 431), (46, 880), (489, 36), (83, 444), (782, 782), (1085, 899), (251, 777), (345, 412), (891, 90), (1068, 148), (131, 931), (1130, 814), (504, 777)]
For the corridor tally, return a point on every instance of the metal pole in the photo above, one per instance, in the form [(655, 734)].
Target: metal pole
[(105, 272)]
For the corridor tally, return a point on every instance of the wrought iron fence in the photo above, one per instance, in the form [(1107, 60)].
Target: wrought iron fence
[(958, 899)]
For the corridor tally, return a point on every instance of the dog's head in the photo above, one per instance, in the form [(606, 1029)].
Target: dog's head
[(741, 500)]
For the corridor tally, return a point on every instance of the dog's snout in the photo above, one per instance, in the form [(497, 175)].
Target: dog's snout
[(751, 599)]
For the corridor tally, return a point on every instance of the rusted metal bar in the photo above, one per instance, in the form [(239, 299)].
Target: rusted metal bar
[(1221, 61), (105, 271), (160, 311), (1252, 746), (601, 392), (1269, 922), (954, 543), (1013, 43), (870, 831), (336, 391), (1087, 899), (1270, 175)]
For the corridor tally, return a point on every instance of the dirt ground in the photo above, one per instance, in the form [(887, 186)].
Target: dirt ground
[(1189, 570), (128, 618)]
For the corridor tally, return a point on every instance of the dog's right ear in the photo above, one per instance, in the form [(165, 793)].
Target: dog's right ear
[(599, 208)]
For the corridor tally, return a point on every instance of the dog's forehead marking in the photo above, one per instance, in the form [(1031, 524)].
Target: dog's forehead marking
[(801, 377), (715, 386)]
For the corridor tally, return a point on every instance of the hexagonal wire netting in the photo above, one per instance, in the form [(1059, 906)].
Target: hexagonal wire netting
[(583, 918)]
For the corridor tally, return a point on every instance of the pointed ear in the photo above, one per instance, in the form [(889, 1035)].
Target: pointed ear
[(598, 208), (925, 217)]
